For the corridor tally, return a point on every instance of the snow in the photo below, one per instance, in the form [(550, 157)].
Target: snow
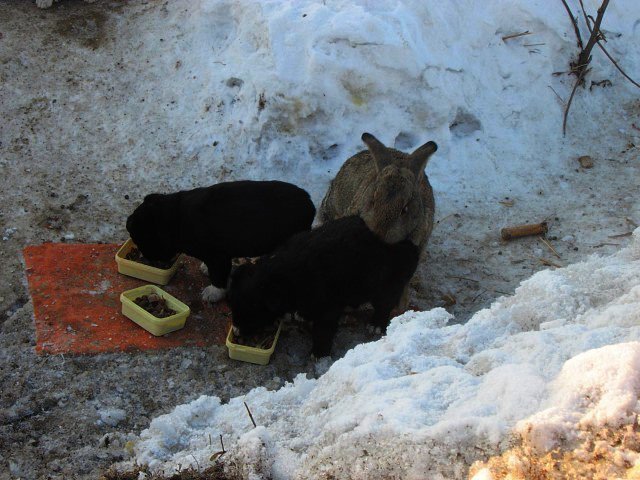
[(284, 89), (112, 416), (430, 398), (296, 83), (303, 79), (597, 388)]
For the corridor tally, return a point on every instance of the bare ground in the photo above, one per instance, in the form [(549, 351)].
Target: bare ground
[(63, 95)]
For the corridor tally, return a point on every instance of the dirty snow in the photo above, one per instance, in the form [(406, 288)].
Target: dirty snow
[(428, 399), (105, 102)]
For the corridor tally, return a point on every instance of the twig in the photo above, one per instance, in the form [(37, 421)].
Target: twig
[(217, 455), (573, 92), (604, 50), (557, 95), (553, 250), (250, 416), (585, 55), (532, 44), (197, 463), (615, 64), (476, 297), (515, 35), (575, 24)]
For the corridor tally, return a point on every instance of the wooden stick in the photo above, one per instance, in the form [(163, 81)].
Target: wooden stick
[(250, 416), (509, 233)]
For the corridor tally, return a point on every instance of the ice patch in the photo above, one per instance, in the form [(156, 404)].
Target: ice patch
[(112, 416)]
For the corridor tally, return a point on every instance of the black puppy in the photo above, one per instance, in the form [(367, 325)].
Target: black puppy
[(220, 222), (319, 273)]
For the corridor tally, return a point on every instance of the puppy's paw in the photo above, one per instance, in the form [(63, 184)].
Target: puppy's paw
[(204, 269), (213, 294)]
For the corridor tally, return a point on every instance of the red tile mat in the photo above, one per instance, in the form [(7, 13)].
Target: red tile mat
[(76, 289)]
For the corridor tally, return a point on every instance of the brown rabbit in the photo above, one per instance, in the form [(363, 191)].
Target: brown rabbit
[(388, 189)]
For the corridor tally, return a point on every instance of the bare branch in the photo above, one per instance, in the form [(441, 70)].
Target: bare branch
[(575, 24), (573, 92), (587, 19), (585, 55)]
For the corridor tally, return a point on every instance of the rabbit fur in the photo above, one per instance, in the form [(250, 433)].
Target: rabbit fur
[(388, 189)]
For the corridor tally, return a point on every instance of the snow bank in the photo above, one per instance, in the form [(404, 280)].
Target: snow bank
[(286, 88), (428, 399), (276, 88)]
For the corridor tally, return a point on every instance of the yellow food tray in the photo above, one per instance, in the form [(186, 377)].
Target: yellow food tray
[(142, 271), (154, 325), (259, 356)]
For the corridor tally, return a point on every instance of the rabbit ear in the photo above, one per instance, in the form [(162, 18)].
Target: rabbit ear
[(418, 159), (381, 155)]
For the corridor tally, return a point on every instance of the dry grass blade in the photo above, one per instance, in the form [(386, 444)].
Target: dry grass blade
[(557, 95), (464, 278), (621, 235), (548, 263), (550, 247), (515, 35)]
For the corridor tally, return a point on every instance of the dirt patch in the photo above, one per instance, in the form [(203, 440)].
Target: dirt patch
[(86, 27)]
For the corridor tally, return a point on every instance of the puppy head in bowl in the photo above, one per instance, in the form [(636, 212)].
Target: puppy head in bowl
[(254, 304), (150, 230)]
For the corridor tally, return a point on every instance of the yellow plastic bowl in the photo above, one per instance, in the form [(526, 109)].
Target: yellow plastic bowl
[(154, 325), (142, 271), (259, 356)]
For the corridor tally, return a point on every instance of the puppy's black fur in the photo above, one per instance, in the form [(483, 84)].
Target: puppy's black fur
[(318, 274), (220, 222)]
